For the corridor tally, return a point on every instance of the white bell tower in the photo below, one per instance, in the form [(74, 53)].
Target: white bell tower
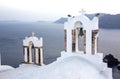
[(33, 49), (82, 31), (81, 26)]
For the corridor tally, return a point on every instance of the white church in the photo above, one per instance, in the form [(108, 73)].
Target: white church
[(73, 63)]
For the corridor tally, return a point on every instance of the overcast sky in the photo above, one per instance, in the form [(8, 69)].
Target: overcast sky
[(53, 9)]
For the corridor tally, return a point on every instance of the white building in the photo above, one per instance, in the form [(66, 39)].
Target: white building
[(78, 27), (33, 50)]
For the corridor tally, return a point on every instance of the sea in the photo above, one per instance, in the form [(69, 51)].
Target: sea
[(12, 35)]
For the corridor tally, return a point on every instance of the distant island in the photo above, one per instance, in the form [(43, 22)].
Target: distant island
[(106, 21), (9, 21)]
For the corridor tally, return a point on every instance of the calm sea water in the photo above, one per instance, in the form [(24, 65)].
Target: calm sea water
[(12, 34)]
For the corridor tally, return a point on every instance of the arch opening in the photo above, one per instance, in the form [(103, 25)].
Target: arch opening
[(32, 51), (78, 37)]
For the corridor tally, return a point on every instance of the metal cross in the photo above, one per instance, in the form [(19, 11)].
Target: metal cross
[(33, 34), (82, 11)]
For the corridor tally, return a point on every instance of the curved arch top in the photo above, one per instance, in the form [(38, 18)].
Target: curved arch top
[(37, 42), (82, 19), (87, 23)]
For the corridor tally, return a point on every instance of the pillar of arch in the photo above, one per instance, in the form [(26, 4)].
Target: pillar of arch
[(94, 41)]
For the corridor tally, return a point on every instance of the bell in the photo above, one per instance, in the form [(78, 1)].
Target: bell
[(81, 32), (32, 46)]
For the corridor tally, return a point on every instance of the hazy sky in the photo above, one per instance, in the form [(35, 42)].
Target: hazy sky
[(53, 9)]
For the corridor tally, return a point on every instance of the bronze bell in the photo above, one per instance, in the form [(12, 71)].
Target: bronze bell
[(81, 32), (32, 46)]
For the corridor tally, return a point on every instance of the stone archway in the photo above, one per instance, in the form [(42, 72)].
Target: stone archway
[(78, 41), (33, 50), (89, 26)]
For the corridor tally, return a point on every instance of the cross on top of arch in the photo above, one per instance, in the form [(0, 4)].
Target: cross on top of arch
[(33, 34), (82, 11)]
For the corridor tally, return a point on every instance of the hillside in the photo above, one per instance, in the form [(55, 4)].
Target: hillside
[(110, 21), (61, 20)]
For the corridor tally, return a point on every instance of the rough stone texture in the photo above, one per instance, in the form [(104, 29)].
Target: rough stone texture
[(94, 32)]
